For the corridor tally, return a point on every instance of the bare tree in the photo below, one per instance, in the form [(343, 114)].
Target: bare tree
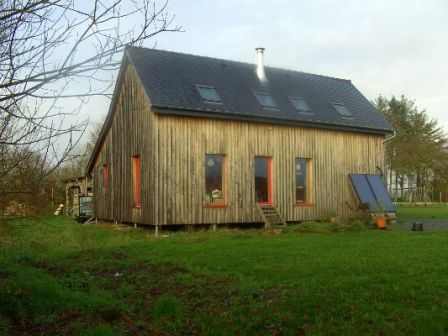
[(54, 56), (76, 162)]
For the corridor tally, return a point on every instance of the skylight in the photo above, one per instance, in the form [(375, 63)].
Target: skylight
[(208, 93), (342, 110), (265, 100), (300, 104)]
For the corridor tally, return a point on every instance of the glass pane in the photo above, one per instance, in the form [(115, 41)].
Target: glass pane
[(301, 167), (265, 100), (208, 93), (342, 110), (300, 104), (262, 180), (214, 178)]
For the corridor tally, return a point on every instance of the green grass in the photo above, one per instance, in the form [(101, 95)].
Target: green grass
[(61, 278), (423, 211)]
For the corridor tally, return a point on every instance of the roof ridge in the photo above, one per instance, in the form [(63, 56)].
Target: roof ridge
[(239, 62)]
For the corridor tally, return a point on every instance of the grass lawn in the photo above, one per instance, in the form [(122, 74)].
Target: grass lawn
[(422, 212), (59, 277)]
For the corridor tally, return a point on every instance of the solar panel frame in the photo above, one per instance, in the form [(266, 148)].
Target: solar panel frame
[(380, 192), (370, 189)]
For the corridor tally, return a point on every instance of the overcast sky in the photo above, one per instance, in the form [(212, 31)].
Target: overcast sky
[(383, 47)]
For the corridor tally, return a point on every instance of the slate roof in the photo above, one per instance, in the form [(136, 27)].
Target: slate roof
[(169, 79)]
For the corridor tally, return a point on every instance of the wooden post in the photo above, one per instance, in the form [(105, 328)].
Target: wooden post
[(135, 225), (156, 230), (214, 227)]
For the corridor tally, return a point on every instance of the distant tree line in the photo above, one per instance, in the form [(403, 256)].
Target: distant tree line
[(417, 157)]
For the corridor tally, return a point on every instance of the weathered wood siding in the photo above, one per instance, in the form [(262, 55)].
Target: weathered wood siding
[(184, 141), (172, 154), (131, 134)]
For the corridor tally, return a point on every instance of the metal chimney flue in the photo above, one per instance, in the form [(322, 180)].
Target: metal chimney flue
[(260, 65)]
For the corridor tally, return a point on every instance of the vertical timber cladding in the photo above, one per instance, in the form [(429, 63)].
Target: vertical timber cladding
[(172, 152), (130, 134), (184, 141)]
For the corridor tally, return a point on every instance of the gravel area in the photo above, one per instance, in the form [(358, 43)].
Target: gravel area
[(428, 224)]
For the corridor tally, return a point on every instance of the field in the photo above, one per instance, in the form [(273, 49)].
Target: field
[(59, 277), (436, 211)]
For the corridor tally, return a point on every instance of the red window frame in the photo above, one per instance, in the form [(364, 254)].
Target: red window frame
[(105, 175), (136, 180), (308, 178), (270, 180), (224, 183)]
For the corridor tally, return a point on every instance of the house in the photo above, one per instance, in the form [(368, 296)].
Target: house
[(198, 140), (78, 197)]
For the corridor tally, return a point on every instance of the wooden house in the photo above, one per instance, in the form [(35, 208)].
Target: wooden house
[(78, 196), (199, 140)]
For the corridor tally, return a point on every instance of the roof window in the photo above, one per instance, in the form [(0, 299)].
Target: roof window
[(342, 110), (208, 93), (299, 104), (265, 100)]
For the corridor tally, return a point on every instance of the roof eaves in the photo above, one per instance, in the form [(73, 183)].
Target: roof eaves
[(280, 121)]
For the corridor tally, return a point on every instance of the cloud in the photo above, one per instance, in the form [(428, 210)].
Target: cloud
[(387, 47)]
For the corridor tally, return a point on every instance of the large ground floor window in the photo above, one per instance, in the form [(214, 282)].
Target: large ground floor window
[(215, 184), (302, 181), (263, 179)]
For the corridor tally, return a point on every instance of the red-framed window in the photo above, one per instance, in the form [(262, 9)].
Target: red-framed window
[(136, 180), (263, 179), (105, 175), (215, 180), (303, 181)]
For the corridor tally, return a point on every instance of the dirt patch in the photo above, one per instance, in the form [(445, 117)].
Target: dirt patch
[(4, 241)]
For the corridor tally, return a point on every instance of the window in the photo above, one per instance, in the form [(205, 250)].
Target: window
[(265, 100), (215, 192), (105, 175), (263, 179), (208, 93), (302, 181), (136, 180), (342, 110), (299, 104)]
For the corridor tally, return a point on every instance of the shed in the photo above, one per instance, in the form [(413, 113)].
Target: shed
[(78, 196)]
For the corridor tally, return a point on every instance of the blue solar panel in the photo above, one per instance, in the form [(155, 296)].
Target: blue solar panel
[(370, 189), (363, 190), (380, 192)]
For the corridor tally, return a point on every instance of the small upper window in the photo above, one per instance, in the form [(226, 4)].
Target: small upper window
[(300, 104), (265, 100), (208, 93), (342, 110)]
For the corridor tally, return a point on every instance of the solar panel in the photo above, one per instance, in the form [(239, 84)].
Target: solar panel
[(370, 189), (380, 192)]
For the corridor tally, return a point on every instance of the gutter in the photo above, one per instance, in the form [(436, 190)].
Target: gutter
[(390, 138)]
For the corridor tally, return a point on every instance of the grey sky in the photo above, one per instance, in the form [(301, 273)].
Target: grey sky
[(387, 47)]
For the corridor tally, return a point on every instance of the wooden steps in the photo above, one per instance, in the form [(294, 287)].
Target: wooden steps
[(271, 216)]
